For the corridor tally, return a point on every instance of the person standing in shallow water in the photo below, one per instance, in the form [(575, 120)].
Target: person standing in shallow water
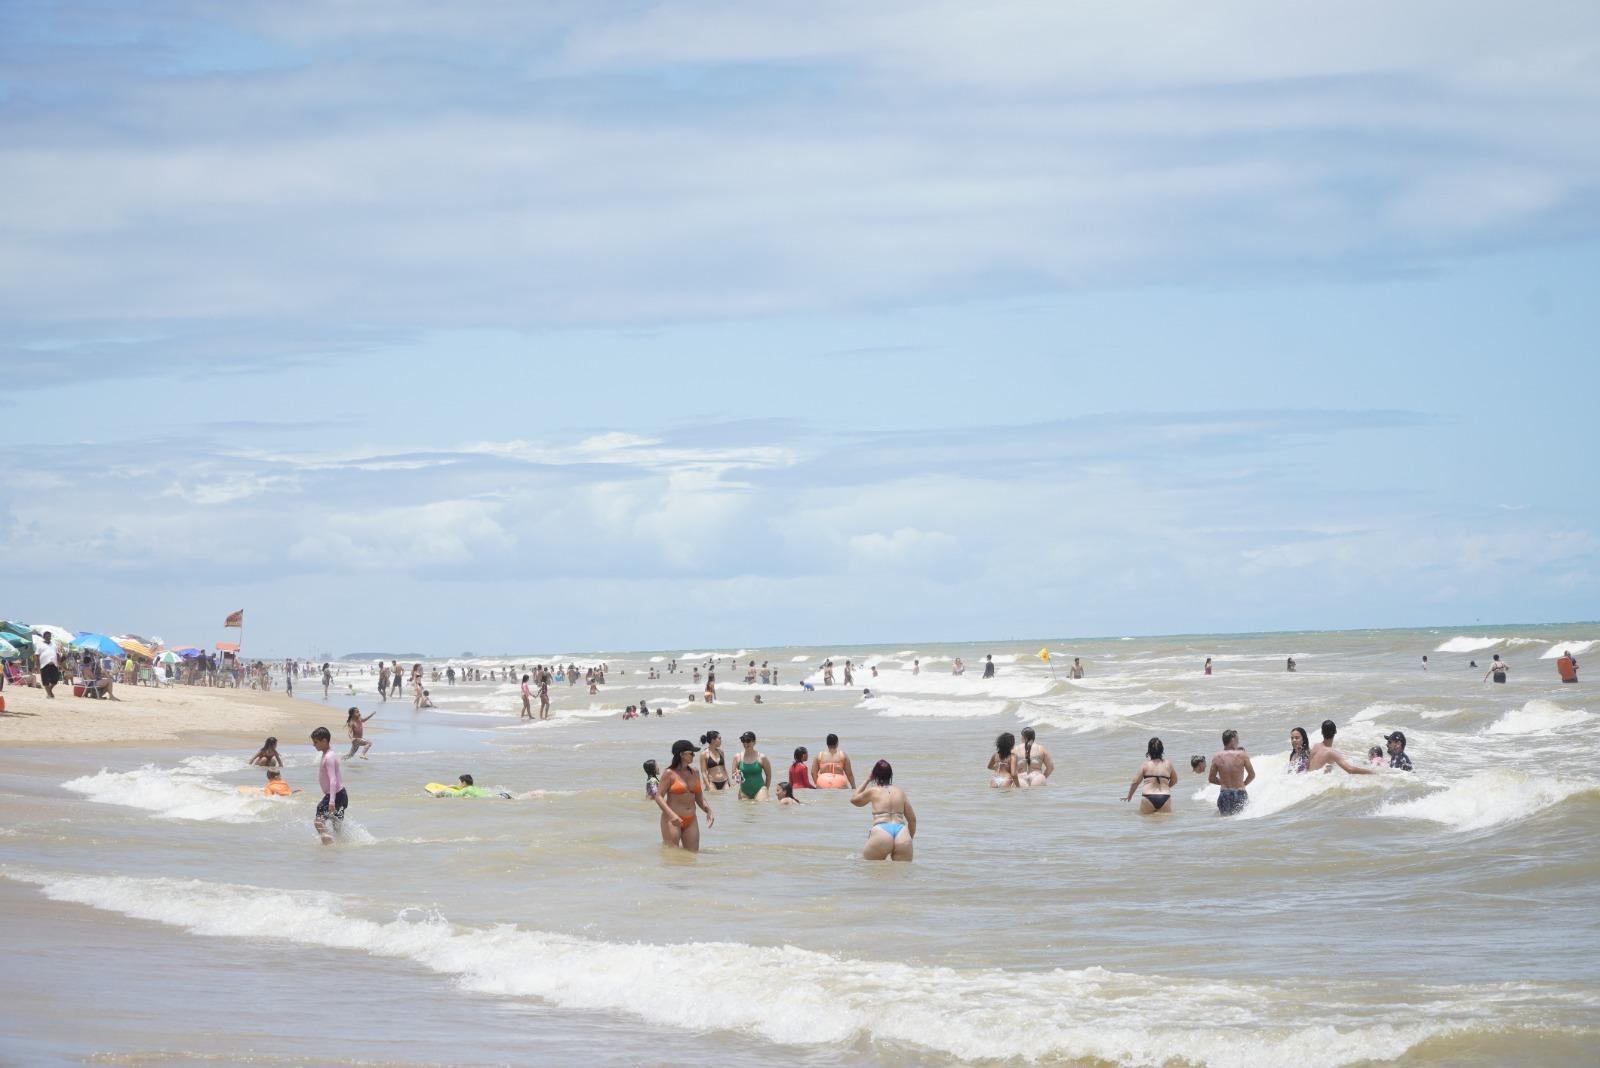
[(1232, 772), (678, 795), (894, 821), (1154, 780), (1497, 670), (988, 666), (1208, 665)]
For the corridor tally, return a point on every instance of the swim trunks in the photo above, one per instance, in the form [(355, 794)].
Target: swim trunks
[(1231, 801), (341, 801)]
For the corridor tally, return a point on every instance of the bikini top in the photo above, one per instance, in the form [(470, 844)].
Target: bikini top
[(721, 761), (678, 786), (831, 766), (1158, 778)]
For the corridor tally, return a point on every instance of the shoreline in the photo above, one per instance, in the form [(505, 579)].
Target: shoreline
[(151, 714)]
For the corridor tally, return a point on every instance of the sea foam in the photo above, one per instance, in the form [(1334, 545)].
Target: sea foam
[(1088, 1014), (1488, 799), (181, 793)]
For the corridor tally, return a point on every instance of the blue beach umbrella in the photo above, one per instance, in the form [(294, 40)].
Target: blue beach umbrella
[(98, 643)]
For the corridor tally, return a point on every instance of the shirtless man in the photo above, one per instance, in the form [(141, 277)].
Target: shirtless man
[(1232, 771), (1324, 755)]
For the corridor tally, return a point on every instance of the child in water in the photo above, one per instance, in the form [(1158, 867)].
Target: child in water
[(1197, 764), (276, 787), (267, 756), (1377, 757), (652, 781), (786, 795)]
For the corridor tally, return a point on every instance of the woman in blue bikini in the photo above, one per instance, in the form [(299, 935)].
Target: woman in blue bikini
[(894, 822)]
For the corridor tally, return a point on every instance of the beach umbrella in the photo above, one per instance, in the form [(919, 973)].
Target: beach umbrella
[(21, 630), (98, 643), (136, 647), (8, 651), (61, 633), (169, 657), (188, 652)]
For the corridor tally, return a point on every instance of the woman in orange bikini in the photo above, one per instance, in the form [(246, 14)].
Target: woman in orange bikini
[(830, 769), (680, 794)]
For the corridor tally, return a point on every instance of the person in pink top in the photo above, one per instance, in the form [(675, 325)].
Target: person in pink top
[(331, 809), (527, 697)]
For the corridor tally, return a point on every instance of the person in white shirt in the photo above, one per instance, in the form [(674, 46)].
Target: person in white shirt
[(49, 670)]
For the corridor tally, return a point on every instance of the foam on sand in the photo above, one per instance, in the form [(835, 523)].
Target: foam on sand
[(1538, 717), (1488, 799), (1072, 1015)]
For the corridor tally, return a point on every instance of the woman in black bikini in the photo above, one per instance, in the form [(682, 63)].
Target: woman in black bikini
[(713, 765), (1158, 777)]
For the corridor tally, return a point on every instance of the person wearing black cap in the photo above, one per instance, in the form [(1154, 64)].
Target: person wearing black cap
[(1397, 751), (679, 794)]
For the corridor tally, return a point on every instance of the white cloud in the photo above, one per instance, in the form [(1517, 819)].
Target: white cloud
[(906, 547)]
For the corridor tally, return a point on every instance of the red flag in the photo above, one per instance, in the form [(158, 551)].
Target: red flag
[(235, 620)]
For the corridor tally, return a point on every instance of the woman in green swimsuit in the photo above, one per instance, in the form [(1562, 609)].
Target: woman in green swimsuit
[(755, 770)]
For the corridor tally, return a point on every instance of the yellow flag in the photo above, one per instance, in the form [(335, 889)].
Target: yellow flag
[(1044, 654)]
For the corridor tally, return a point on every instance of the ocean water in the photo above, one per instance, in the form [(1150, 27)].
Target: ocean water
[(1450, 916)]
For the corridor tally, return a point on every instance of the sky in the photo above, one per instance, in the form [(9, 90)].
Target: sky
[(576, 327)]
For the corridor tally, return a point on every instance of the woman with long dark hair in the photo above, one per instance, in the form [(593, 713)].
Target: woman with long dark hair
[(1004, 762), (1299, 750), (1035, 765), (894, 821), (680, 793), (1158, 778)]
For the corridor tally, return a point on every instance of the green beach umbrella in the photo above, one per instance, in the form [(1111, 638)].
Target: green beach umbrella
[(8, 651), (169, 657)]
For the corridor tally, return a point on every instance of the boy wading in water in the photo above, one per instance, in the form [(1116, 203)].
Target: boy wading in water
[(331, 809)]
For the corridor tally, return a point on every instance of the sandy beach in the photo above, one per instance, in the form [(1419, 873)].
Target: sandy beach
[(145, 714)]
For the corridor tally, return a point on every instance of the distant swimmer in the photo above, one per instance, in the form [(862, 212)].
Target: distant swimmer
[(1397, 751), (894, 821), (1424, 661), (678, 795), (355, 727), (799, 773), (1232, 771), (713, 763), (1036, 764), (335, 801), (711, 687), (1290, 666), (1003, 762), (1154, 781), (267, 756), (988, 667), (755, 770), (1208, 665), (1299, 750), (830, 769), (1497, 670), (1324, 756), (1567, 666)]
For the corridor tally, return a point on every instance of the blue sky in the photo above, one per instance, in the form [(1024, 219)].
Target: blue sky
[(684, 324)]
